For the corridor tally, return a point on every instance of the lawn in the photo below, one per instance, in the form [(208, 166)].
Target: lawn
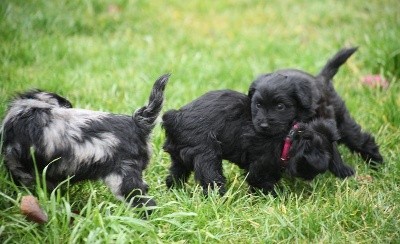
[(105, 55)]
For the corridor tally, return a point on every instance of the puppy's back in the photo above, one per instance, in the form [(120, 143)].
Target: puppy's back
[(209, 112), (219, 115)]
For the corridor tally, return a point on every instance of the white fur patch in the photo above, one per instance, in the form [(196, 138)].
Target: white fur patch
[(114, 181), (65, 131), (47, 98), (21, 106)]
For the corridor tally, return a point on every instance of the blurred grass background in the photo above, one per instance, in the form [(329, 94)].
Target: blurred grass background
[(105, 55)]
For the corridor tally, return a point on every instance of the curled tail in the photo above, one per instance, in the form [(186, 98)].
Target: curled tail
[(332, 66), (147, 115)]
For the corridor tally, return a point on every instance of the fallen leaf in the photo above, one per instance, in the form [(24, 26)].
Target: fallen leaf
[(31, 209)]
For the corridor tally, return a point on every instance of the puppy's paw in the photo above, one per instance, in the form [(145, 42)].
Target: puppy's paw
[(374, 160), (222, 191), (145, 205), (370, 152), (208, 188), (343, 171), (266, 189), (171, 182)]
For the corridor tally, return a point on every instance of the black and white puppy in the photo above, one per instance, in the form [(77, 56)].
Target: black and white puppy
[(82, 144), (250, 130)]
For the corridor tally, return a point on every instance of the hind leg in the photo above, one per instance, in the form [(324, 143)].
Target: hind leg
[(359, 141), (129, 186), (178, 172), (208, 172), (337, 166), (208, 165), (19, 173)]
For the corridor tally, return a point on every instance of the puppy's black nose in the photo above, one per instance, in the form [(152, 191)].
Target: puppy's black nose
[(264, 125)]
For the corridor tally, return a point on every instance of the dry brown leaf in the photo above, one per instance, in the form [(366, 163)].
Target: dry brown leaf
[(31, 209)]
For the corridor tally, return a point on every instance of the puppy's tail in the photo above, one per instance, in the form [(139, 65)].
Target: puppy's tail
[(332, 66), (147, 115)]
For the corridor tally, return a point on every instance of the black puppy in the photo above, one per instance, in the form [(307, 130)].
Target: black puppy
[(78, 143), (298, 96), (249, 130), (202, 133), (309, 149)]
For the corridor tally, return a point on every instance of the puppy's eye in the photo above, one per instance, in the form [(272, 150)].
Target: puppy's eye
[(258, 105), (280, 106)]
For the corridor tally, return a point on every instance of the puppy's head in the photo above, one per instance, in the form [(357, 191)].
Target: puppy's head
[(280, 98), (312, 148), (46, 97)]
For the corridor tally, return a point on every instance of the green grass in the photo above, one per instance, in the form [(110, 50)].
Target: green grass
[(105, 55)]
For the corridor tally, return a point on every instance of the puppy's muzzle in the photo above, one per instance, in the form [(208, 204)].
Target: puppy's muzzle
[(264, 126)]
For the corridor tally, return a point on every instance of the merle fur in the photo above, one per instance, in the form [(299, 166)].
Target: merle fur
[(82, 144), (249, 130)]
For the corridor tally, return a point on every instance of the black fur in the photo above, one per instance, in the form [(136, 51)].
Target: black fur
[(82, 144), (314, 150), (316, 97), (202, 133), (249, 130)]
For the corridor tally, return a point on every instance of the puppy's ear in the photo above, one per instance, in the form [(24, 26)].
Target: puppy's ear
[(255, 83), (303, 94), (304, 97), (252, 89), (319, 160)]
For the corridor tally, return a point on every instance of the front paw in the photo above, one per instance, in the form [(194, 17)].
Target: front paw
[(266, 188), (208, 188), (374, 160), (145, 205), (343, 171), (171, 182), (370, 153)]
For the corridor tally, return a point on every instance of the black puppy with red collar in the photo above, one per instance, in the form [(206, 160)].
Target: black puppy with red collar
[(250, 130)]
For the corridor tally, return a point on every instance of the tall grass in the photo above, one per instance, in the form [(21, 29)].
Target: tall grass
[(105, 55)]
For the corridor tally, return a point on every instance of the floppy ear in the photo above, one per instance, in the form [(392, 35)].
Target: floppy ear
[(252, 89), (304, 97), (303, 94), (255, 83), (319, 160)]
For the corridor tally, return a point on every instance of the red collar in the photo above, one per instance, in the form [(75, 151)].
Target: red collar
[(287, 143)]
